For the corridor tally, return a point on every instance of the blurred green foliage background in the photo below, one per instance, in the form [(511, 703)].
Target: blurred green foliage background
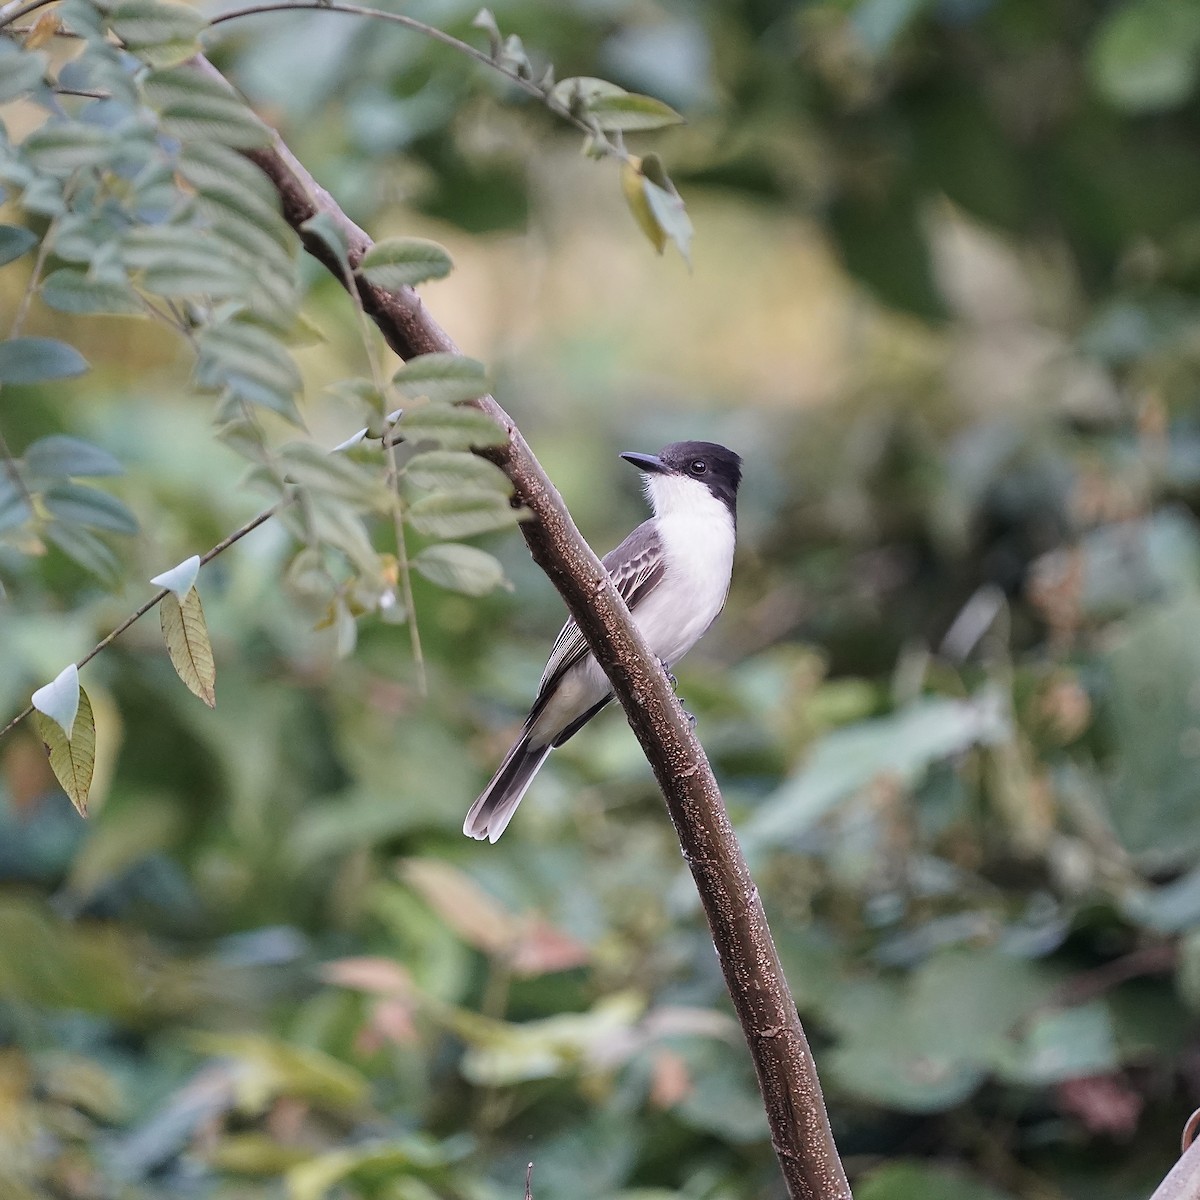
[(946, 302)]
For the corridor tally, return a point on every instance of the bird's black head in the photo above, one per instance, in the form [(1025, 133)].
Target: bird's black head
[(715, 466)]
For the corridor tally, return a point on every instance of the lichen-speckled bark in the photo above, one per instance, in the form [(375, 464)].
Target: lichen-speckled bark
[(791, 1091)]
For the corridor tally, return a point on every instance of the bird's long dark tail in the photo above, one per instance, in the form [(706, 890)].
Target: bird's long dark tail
[(491, 813)]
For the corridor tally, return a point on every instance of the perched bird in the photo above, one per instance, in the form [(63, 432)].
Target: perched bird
[(672, 571)]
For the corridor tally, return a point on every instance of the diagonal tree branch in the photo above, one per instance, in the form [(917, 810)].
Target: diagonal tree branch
[(800, 1131)]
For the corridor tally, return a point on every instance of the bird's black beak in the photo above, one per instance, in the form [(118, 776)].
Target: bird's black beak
[(647, 462)]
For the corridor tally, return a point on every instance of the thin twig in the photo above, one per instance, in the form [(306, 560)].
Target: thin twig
[(404, 568), (157, 598), (447, 39), (14, 11), (31, 286), (529, 1182)]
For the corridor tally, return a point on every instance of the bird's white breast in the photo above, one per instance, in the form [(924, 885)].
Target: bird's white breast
[(697, 533)]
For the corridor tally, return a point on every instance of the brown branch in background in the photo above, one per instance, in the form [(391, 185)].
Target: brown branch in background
[(800, 1131)]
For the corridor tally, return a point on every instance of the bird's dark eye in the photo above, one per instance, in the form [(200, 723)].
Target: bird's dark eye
[(698, 466)]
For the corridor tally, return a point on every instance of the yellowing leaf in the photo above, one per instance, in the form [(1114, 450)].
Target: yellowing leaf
[(656, 205), (72, 759), (43, 31), (268, 1068), (187, 641), (632, 182)]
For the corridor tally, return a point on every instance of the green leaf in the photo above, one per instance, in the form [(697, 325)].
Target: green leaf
[(14, 508), (405, 262), (61, 457), (15, 241), (629, 112), (38, 359), (186, 634), (228, 177), (924, 1181), (900, 747), (453, 426), (334, 474), (196, 107), (1148, 674), (71, 290), (1065, 1043), (59, 699), (20, 70), (460, 568), (251, 362), (85, 548), (332, 236), (160, 34), (77, 504), (180, 260), (447, 378), (443, 470), (1145, 56), (63, 146), (72, 759), (461, 514)]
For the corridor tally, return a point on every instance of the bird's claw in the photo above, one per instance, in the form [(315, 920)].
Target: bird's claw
[(666, 666)]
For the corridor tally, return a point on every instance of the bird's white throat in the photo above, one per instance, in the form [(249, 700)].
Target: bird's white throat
[(672, 495)]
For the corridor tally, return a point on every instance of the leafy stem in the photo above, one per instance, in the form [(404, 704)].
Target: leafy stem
[(538, 91), (14, 11), (158, 597)]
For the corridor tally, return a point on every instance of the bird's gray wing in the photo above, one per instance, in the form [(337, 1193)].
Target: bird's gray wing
[(636, 566)]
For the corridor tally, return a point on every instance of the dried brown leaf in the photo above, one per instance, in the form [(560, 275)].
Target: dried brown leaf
[(186, 635)]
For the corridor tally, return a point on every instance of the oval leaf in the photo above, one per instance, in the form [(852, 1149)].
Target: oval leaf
[(180, 579), (444, 470), (87, 506), (73, 291), (14, 241), (455, 427), (630, 112), (404, 262), (460, 568), (36, 359), (160, 34), (461, 514), (59, 456), (186, 635), (198, 108), (632, 184), (448, 378), (72, 759), (59, 699)]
